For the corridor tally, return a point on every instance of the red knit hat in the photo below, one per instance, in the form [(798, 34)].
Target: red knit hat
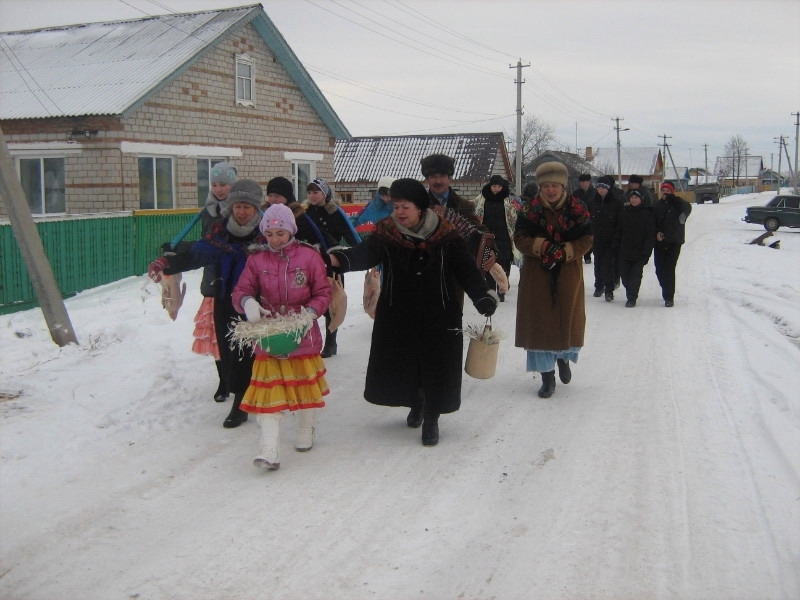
[(668, 186)]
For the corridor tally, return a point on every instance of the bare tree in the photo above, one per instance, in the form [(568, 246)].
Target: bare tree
[(736, 151), (537, 136)]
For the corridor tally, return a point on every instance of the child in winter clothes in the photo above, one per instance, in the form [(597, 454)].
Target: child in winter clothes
[(225, 247), (223, 175), (335, 225), (636, 235), (288, 277)]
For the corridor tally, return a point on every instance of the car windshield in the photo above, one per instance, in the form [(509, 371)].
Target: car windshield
[(775, 201)]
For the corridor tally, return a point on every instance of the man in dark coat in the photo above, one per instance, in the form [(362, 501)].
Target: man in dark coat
[(605, 208), (585, 192), (671, 213), (637, 233), (438, 171)]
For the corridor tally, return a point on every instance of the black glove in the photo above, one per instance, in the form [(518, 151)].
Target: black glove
[(553, 256), (487, 304)]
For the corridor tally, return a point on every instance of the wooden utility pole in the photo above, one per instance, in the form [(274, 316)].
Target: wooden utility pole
[(518, 152), (32, 250)]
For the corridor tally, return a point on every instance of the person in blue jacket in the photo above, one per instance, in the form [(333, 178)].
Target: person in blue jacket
[(380, 206)]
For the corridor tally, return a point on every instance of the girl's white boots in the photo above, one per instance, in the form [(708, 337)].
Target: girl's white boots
[(270, 441), (304, 437)]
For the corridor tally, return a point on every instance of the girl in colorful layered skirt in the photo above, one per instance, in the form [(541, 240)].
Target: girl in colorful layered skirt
[(286, 278)]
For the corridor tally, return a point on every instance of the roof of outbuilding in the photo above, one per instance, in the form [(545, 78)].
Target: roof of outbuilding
[(109, 68), (635, 161), (367, 159)]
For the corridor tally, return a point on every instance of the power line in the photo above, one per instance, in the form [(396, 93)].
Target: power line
[(370, 88), (453, 59)]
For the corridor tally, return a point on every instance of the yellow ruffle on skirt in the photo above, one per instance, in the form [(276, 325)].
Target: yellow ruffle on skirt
[(286, 384), (205, 336)]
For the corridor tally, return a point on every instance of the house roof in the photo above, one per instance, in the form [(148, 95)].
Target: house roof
[(110, 68), (574, 163), (748, 166), (368, 159), (635, 161)]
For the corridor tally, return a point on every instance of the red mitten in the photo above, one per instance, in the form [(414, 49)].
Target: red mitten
[(156, 268)]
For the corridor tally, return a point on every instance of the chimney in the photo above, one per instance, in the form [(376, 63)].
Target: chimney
[(589, 154)]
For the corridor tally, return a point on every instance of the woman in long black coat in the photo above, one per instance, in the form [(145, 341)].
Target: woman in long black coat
[(415, 358)]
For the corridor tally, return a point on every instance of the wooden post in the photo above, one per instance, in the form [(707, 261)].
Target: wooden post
[(30, 245)]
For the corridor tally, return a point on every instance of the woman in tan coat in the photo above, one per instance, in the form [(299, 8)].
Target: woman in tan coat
[(552, 234)]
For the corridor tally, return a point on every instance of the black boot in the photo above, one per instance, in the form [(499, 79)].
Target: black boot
[(548, 384), (222, 391), (330, 344), (564, 372), (237, 416), (430, 430), (414, 418)]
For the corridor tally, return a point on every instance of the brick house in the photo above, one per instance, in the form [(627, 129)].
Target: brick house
[(361, 161), (131, 115)]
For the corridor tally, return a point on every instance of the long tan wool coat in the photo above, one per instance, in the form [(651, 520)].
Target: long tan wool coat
[(550, 305)]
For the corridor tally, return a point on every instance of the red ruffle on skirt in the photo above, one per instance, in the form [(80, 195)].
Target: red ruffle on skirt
[(286, 384), (205, 336)]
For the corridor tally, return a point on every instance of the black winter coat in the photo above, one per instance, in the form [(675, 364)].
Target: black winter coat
[(605, 218), (637, 233), (671, 214), (416, 338), (331, 223)]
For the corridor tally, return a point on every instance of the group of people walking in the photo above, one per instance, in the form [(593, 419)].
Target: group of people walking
[(628, 229), (268, 257)]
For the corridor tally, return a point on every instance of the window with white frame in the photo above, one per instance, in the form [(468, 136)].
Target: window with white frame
[(43, 183), (204, 178), (245, 80), (304, 170), (156, 187)]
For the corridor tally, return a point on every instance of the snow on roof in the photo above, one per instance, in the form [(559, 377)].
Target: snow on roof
[(748, 166), (635, 161), (370, 158), (101, 68)]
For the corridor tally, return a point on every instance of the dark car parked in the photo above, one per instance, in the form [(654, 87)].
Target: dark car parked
[(781, 211)]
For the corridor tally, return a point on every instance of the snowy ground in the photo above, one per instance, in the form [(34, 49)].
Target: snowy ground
[(668, 469)]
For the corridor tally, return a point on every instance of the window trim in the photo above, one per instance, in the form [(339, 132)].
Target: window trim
[(244, 59)]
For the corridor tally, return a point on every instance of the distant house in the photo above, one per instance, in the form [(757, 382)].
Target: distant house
[(646, 162), (361, 161), (132, 114), (772, 179), (739, 171)]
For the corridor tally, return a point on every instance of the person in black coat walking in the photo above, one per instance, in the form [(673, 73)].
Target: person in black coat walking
[(605, 208), (585, 192), (416, 354), (636, 235), (671, 213)]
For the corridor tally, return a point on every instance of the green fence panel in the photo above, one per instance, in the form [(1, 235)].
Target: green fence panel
[(156, 227), (88, 251), (83, 253)]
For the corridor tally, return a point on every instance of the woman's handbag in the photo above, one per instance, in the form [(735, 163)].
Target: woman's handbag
[(482, 352), (338, 306), (372, 289)]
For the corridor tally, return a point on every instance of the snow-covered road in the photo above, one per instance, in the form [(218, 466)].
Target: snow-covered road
[(668, 468)]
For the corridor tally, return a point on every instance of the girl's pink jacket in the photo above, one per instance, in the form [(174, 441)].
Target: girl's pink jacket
[(285, 281)]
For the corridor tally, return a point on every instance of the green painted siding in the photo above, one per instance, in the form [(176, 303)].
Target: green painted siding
[(88, 252)]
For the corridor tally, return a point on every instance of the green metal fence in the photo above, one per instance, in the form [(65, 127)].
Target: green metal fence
[(87, 251)]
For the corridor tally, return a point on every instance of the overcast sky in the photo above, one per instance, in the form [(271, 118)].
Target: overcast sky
[(699, 72)]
